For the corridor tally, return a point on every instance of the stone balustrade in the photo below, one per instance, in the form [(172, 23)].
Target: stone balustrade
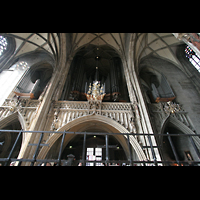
[(66, 111)]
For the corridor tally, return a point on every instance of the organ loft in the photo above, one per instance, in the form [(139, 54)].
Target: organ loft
[(99, 99)]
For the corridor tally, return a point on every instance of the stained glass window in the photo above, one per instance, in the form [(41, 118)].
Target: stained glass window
[(3, 44), (22, 65), (94, 154), (193, 58)]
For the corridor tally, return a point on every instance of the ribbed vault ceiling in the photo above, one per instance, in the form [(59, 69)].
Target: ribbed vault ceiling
[(93, 56), (160, 44), (27, 42), (116, 40)]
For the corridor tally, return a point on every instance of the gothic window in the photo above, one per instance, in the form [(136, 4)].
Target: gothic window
[(192, 57), (94, 154), (20, 65), (181, 145), (3, 44)]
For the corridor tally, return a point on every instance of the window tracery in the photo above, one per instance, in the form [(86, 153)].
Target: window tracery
[(22, 65), (3, 44), (19, 65), (192, 57)]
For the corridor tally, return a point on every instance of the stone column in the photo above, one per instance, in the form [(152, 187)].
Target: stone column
[(143, 122), (41, 116)]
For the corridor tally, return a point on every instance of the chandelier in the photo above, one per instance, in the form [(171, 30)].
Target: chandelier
[(96, 92), (171, 107)]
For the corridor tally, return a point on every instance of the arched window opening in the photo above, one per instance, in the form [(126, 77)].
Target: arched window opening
[(192, 57), (183, 147), (7, 48), (156, 86), (22, 65), (9, 78), (95, 149), (3, 44), (34, 82), (7, 140)]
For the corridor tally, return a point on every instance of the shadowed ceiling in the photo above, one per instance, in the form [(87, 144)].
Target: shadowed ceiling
[(160, 44)]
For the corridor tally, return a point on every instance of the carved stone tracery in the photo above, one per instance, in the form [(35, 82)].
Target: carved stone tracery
[(160, 112), (26, 107), (68, 111)]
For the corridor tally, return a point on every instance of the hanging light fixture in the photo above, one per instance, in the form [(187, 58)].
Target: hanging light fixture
[(96, 91)]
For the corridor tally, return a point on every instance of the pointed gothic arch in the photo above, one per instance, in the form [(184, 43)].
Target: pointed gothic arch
[(7, 139), (178, 124), (83, 71), (16, 116), (181, 144), (111, 127), (77, 45), (13, 117)]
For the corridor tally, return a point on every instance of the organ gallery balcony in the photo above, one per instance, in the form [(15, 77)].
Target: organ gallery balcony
[(65, 111)]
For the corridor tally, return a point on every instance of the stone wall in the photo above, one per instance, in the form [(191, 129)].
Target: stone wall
[(185, 91)]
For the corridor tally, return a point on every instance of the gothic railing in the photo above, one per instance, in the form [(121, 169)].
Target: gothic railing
[(192, 157), (66, 111)]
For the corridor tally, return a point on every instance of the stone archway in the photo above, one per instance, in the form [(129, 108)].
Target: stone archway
[(13, 117), (173, 120), (182, 144), (108, 125), (180, 126), (11, 122)]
